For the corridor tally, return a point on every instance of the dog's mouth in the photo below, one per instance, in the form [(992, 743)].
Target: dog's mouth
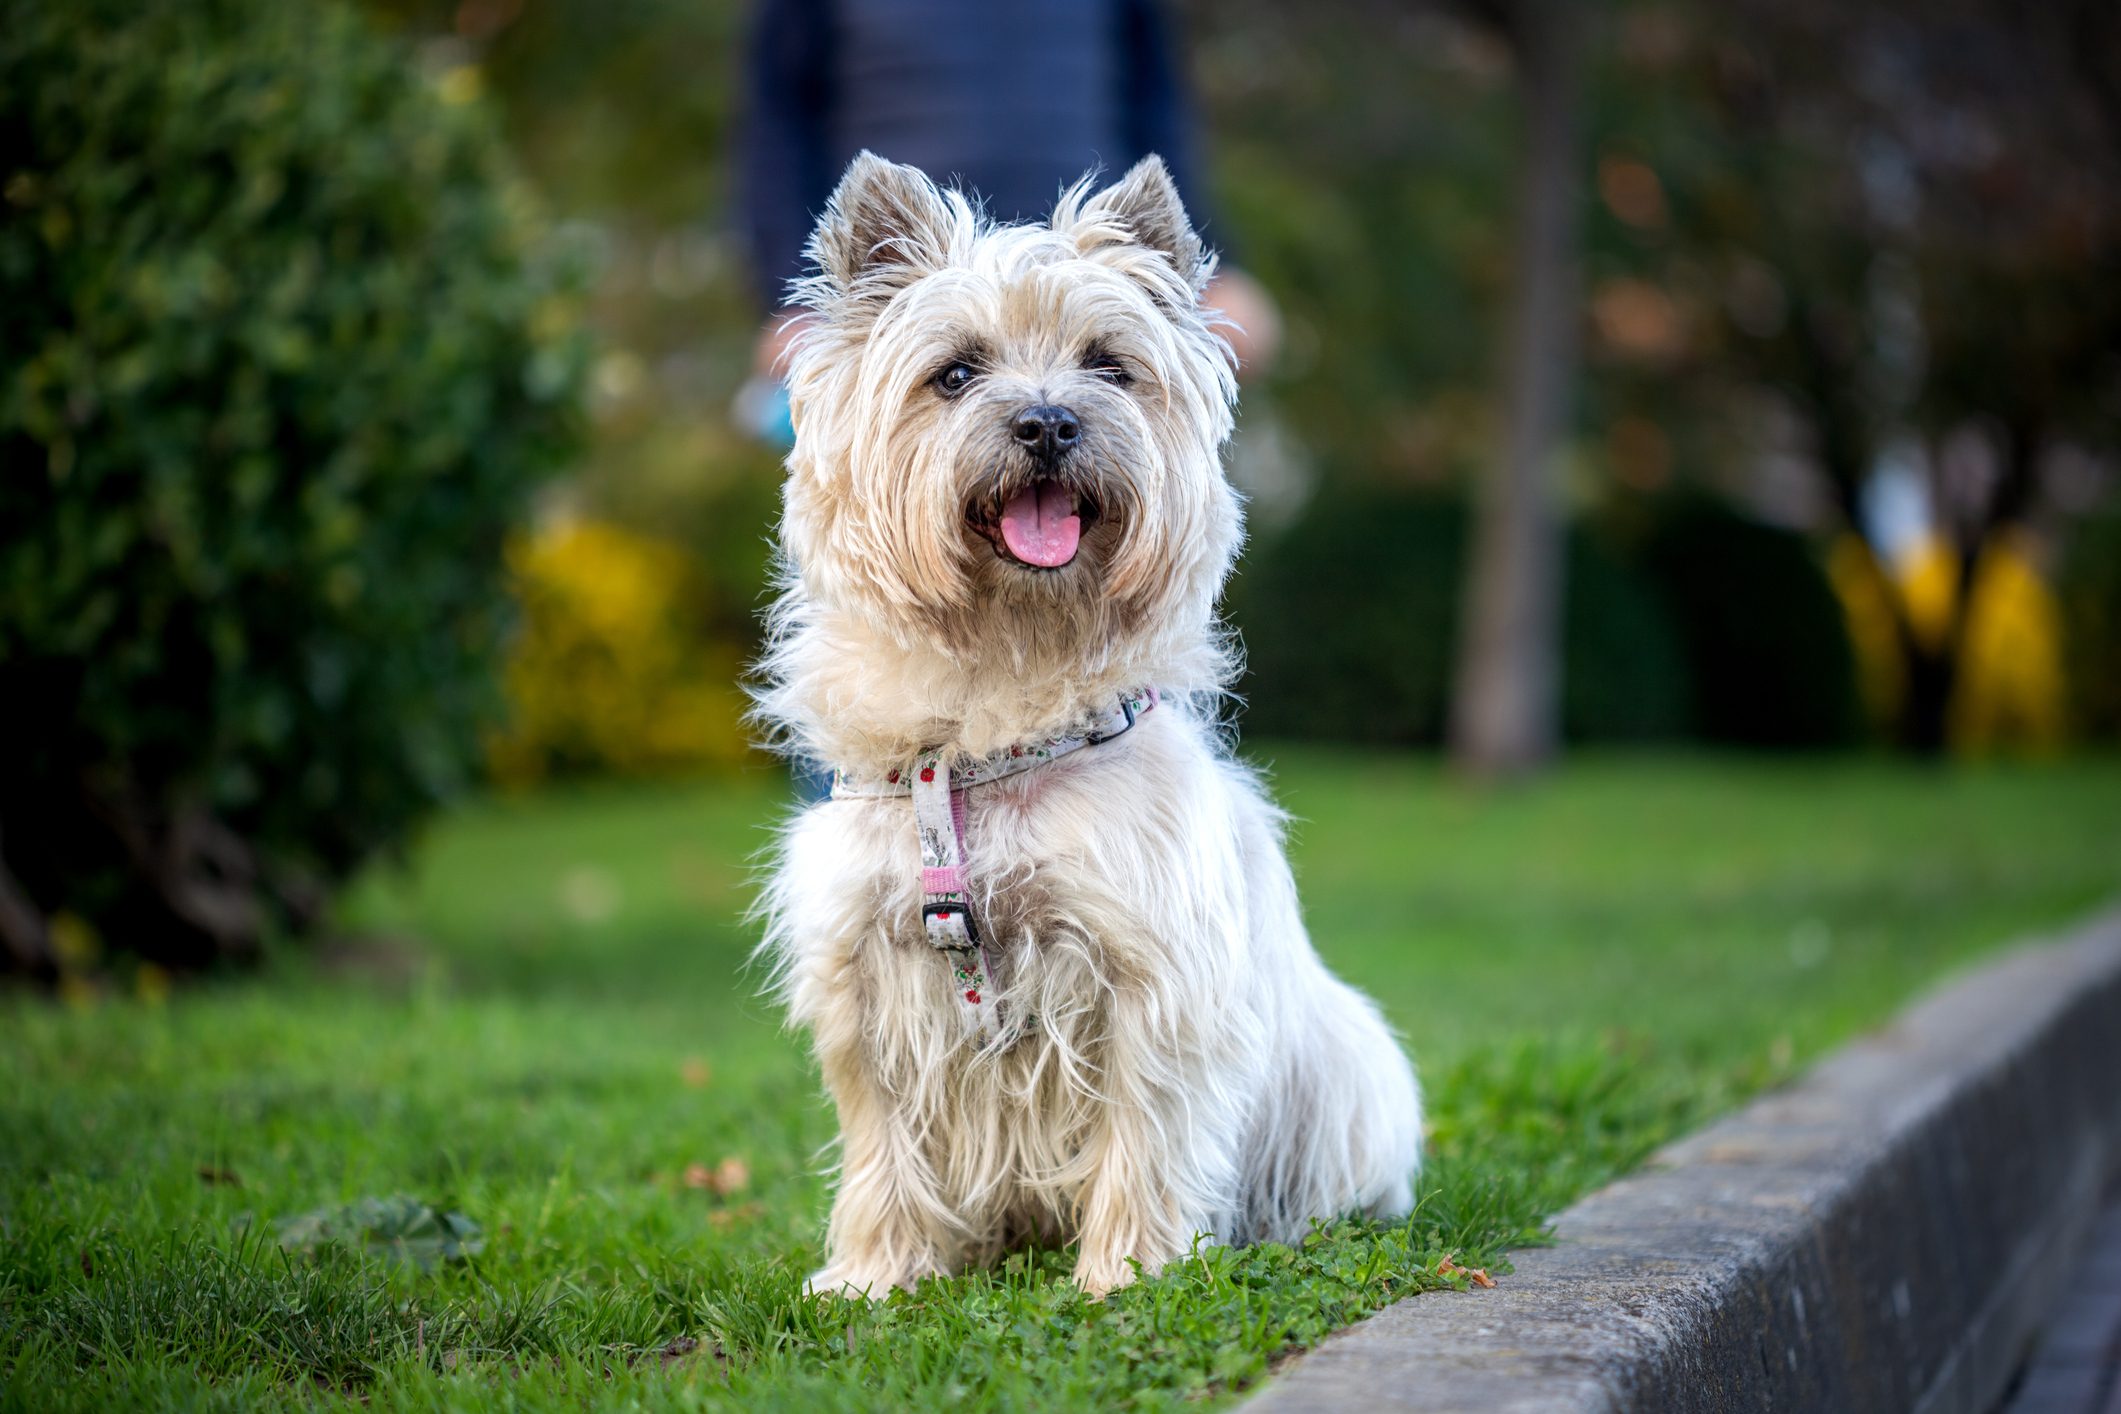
[(1039, 526)]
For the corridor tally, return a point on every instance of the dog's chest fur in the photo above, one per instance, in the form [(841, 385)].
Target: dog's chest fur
[(1005, 1128)]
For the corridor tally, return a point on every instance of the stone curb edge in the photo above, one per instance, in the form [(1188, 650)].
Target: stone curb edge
[(1883, 1235)]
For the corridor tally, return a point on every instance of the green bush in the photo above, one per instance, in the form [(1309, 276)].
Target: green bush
[(1350, 621), (1681, 618), (2089, 587), (281, 360), (1765, 638)]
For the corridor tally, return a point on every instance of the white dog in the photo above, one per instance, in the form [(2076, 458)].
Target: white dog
[(1055, 992)]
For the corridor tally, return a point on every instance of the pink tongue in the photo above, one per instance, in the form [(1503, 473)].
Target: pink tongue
[(1040, 525)]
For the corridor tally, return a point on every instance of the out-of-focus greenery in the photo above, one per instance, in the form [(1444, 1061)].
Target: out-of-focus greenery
[(1747, 307), (571, 1056), (2091, 598), (1812, 233), (1764, 639), (282, 358), (1352, 613), (1682, 618), (622, 115)]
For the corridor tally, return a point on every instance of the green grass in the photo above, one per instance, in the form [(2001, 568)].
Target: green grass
[(557, 1026)]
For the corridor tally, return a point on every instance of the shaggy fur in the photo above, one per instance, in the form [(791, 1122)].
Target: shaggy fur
[(1180, 1062)]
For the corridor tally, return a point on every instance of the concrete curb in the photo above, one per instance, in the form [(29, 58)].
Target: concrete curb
[(1885, 1235)]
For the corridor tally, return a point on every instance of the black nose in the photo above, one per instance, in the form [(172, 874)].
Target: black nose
[(1046, 429)]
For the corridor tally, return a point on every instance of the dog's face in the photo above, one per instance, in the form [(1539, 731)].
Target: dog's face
[(1009, 430)]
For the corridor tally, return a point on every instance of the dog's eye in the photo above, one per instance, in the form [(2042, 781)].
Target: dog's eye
[(954, 379), (1105, 366)]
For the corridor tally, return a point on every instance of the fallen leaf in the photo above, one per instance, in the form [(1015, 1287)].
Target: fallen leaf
[(1477, 1275), (731, 1175), (401, 1228), (219, 1178), (729, 1217), (696, 1072)]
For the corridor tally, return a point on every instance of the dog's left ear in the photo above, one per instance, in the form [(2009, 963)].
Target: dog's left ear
[(1143, 208)]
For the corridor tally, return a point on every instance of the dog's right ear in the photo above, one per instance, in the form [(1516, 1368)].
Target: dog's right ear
[(1144, 205), (885, 226)]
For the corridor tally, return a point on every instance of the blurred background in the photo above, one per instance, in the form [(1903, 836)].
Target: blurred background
[(388, 406)]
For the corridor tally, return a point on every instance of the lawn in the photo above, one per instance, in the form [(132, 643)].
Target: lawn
[(547, 1030)]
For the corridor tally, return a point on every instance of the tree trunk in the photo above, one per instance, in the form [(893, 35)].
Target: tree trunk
[(24, 938), (1506, 701), (1932, 676), (1934, 673)]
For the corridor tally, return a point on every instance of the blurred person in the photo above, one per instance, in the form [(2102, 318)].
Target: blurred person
[(1011, 101)]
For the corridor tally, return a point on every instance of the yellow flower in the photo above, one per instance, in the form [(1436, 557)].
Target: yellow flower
[(2009, 695), (609, 672)]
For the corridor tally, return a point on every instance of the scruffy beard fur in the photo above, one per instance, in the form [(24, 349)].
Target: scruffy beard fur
[(1181, 1063)]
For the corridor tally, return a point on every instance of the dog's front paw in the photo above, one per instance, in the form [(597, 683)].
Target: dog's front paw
[(1099, 1275), (851, 1283), (832, 1281)]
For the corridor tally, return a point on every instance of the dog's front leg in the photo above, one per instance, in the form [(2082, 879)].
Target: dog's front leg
[(889, 1226), (1150, 1161)]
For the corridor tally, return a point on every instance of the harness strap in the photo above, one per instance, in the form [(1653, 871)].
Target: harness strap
[(1024, 756), (946, 904)]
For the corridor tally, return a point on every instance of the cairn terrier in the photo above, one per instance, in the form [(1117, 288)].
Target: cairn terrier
[(1044, 935)]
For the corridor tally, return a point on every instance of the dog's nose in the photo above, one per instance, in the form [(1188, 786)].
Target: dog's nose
[(1046, 429)]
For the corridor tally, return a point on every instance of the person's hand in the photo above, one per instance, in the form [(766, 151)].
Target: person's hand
[(769, 357), (1252, 322), (761, 405)]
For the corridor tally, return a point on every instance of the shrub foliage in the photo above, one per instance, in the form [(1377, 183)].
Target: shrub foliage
[(1350, 617), (1682, 617), (281, 361), (1765, 640), (2090, 591)]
